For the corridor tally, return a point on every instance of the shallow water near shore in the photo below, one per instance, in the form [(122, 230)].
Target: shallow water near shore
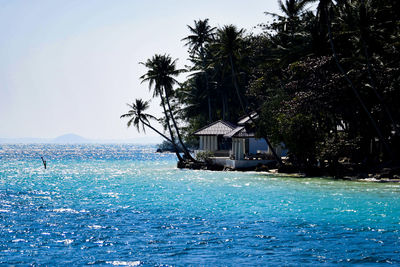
[(126, 205)]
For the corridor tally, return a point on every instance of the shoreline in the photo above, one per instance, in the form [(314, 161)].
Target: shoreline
[(373, 177)]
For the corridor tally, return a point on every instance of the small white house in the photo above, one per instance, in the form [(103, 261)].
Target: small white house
[(212, 138), (244, 143), (235, 146)]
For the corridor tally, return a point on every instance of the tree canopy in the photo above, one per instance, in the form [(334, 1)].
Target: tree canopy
[(323, 77), (325, 82)]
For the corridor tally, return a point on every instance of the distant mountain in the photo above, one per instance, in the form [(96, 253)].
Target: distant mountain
[(70, 139), (77, 139)]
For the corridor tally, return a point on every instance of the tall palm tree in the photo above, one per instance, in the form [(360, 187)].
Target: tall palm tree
[(157, 92), (230, 42), (138, 118), (161, 73), (293, 8), (201, 34), (292, 11)]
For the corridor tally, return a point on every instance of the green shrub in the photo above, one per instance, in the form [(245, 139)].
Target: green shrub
[(204, 156)]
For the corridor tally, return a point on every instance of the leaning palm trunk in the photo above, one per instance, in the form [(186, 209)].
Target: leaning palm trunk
[(356, 93), (185, 150), (170, 130), (164, 136), (277, 158), (157, 131)]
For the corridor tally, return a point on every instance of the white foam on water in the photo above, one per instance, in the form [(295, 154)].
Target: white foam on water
[(65, 241), (67, 210), (95, 226), (124, 263), (18, 240)]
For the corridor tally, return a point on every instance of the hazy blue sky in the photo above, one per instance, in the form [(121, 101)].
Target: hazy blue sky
[(71, 66)]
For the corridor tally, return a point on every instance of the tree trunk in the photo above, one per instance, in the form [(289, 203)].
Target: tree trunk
[(225, 102), (278, 159), (236, 85), (157, 131), (209, 106), (223, 108), (170, 130), (165, 137), (186, 151), (207, 85)]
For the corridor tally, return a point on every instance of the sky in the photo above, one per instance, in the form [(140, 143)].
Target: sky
[(71, 66)]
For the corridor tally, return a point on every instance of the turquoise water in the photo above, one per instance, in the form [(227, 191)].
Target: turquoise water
[(125, 205)]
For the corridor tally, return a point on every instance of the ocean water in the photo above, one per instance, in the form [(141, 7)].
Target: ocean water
[(126, 205)]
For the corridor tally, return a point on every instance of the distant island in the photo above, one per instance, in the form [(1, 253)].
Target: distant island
[(70, 138)]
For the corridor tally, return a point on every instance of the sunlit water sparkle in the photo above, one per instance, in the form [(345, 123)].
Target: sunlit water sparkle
[(126, 205)]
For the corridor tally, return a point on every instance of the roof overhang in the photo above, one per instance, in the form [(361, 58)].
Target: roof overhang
[(240, 132), (217, 128)]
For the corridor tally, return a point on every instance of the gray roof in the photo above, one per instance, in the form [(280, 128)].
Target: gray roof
[(216, 128), (240, 132), (246, 119)]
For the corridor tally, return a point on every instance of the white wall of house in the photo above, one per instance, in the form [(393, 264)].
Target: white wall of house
[(257, 144), (208, 143), (238, 148)]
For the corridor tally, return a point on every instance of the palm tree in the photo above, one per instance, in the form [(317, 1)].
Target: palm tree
[(230, 42), (138, 118), (160, 75), (201, 34), (292, 11), (293, 8), (193, 96)]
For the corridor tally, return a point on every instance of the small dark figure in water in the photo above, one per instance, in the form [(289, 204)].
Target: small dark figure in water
[(44, 163)]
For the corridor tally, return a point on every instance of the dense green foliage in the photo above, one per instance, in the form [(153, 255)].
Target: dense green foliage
[(323, 77), (325, 82)]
